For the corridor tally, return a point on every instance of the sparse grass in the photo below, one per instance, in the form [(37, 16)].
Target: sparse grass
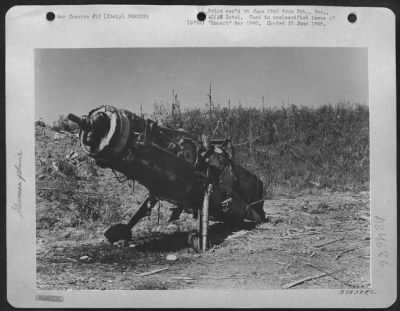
[(295, 147)]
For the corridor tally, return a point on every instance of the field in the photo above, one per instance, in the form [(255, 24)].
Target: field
[(315, 167)]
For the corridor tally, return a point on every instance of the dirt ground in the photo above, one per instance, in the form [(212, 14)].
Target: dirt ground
[(315, 233)]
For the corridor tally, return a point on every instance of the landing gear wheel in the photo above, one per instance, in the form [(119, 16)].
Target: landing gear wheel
[(118, 232), (254, 215)]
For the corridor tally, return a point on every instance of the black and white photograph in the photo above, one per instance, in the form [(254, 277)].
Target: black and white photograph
[(245, 155), (174, 168)]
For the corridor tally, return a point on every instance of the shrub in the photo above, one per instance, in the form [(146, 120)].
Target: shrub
[(295, 146)]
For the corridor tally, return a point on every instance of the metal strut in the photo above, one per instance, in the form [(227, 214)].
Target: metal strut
[(203, 219), (123, 231), (144, 210)]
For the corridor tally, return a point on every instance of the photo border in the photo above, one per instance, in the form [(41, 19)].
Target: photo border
[(378, 36)]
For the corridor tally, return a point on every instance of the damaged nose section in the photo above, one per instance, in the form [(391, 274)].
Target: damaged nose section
[(104, 132)]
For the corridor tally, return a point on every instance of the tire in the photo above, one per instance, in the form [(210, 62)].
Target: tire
[(118, 232), (255, 215)]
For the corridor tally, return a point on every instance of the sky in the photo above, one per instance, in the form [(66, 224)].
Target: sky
[(78, 80)]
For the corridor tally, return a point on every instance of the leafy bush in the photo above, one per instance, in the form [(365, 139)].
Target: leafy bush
[(293, 146)]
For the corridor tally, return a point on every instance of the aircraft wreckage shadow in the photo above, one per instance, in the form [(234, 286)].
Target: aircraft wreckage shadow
[(217, 234), (147, 248)]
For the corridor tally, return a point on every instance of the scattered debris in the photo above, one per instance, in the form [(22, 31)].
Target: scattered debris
[(344, 252), (232, 276), (121, 243), (152, 272), (185, 278), (328, 242), (315, 183), (171, 257), (306, 279), (330, 274)]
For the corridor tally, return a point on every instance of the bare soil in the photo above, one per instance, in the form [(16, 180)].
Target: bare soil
[(305, 235)]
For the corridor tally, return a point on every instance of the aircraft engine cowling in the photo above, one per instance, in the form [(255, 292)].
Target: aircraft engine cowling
[(104, 132)]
